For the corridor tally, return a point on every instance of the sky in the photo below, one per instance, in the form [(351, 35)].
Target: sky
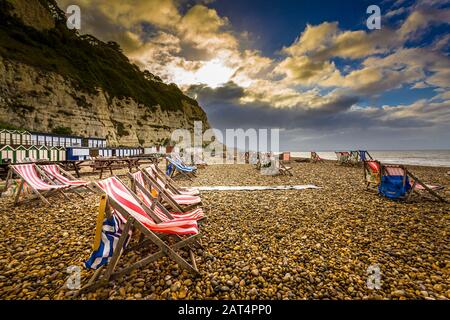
[(312, 69)]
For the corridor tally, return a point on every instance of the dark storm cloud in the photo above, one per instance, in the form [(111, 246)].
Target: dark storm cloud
[(225, 111)]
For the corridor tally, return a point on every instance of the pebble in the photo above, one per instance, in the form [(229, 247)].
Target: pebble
[(308, 244)]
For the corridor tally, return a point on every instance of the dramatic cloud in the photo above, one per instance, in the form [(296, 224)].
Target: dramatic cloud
[(329, 79)]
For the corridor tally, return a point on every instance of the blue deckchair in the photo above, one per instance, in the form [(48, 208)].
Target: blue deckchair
[(175, 168)]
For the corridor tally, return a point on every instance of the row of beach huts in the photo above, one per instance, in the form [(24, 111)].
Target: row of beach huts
[(19, 145)]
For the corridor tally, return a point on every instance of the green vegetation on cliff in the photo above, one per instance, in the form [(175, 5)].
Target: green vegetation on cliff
[(87, 61)]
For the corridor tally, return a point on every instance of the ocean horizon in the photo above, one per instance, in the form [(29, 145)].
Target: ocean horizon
[(432, 158)]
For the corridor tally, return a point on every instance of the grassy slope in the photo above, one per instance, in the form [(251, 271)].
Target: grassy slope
[(86, 60)]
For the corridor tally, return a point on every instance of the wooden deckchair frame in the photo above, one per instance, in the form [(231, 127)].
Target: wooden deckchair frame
[(67, 174), (342, 161), (135, 185), (315, 157), (168, 181), (177, 172), (37, 194), (417, 181), (406, 173), (163, 195), (155, 203), (285, 170), (368, 172), (107, 273)]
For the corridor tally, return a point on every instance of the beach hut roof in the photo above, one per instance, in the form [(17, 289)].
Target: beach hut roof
[(5, 147), (21, 147), (55, 135), (43, 147), (33, 147)]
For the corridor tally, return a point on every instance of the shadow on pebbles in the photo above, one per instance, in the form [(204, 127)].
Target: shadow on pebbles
[(327, 243)]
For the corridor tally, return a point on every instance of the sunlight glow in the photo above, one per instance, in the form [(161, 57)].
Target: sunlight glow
[(213, 73)]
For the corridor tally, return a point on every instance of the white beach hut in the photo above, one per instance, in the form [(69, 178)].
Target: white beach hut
[(7, 152), (43, 153), (53, 153), (21, 153), (62, 153), (33, 152)]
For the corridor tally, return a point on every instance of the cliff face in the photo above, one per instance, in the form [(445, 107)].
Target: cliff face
[(40, 94)]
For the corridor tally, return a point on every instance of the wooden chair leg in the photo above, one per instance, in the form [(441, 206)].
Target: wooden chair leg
[(19, 190)]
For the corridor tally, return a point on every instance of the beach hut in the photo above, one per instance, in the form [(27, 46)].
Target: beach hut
[(53, 153), (77, 153), (21, 153), (4, 136), (26, 138), (62, 152), (16, 137), (33, 152), (106, 153), (7, 153), (43, 153)]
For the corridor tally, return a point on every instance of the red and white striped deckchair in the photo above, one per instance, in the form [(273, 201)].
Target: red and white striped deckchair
[(138, 186), (179, 202), (372, 173), (129, 209), (29, 174), (168, 183), (55, 173)]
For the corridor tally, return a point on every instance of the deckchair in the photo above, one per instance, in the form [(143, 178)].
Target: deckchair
[(315, 157), (343, 157), (138, 186), (55, 173), (372, 173), (364, 155), (119, 204), (180, 203), (169, 183), (411, 183), (396, 181), (284, 170), (176, 168), (36, 181), (178, 159)]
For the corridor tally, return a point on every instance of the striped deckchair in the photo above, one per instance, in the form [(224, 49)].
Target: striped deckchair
[(138, 186), (343, 157), (315, 157), (372, 173), (178, 202), (176, 169), (35, 180), (132, 215), (55, 173), (169, 183)]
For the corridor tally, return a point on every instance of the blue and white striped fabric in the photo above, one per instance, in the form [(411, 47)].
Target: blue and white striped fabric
[(111, 232), (181, 166)]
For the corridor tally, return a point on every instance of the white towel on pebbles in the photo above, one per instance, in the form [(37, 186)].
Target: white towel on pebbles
[(256, 188)]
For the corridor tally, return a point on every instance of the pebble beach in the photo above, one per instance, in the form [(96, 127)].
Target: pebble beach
[(257, 245)]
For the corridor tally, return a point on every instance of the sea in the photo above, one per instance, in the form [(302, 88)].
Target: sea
[(431, 158)]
